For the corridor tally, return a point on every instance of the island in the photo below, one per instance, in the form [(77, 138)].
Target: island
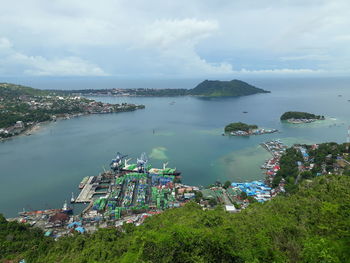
[(243, 129), (297, 117), (207, 88), (217, 88), (23, 108)]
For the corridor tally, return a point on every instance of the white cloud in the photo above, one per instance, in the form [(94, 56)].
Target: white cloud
[(174, 46), (168, 33), (285, 71), (41, 66), (174, 38)]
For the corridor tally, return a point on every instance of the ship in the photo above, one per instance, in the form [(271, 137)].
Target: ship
[(140, 166), (164, 171), (67, 210), (83, 182), (72, 199), (39, 212)]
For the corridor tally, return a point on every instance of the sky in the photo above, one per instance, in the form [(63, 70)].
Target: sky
[(174, 39)]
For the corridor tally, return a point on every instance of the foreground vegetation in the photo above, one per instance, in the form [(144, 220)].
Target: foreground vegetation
[(312, 225)]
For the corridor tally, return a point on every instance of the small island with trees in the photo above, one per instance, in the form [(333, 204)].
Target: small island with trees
[(297, 117), (243, 129)]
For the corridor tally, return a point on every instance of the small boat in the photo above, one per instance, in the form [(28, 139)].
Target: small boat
[(245, 111), (72, 199)]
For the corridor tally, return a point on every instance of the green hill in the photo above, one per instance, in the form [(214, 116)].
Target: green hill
[(8, 91), (216, 88), (312, 225)]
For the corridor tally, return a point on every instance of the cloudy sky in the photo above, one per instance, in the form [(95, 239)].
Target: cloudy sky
[(174, 38)]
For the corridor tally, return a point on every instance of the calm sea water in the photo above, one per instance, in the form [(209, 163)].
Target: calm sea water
[(42, 170)]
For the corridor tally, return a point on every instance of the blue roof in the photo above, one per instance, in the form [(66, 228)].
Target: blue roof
[(74, 224), (80, 229)]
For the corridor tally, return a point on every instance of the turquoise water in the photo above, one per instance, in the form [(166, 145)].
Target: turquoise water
[(42, 170)]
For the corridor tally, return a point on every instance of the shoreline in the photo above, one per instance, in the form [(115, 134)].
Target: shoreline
[(34, 128)]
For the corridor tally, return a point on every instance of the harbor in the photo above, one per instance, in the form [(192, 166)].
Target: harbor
[(127, 193), (130, 192)]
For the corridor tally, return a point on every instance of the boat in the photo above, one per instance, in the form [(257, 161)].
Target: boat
[(72, 199), (164, 171), (66, 209), (83, 182), (39, 212)]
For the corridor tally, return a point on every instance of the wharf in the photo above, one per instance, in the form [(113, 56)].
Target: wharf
[(86, 193)]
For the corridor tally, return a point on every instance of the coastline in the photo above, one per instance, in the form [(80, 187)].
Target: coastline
[(37, 126)]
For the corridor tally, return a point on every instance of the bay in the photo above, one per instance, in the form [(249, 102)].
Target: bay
[(42, 170)]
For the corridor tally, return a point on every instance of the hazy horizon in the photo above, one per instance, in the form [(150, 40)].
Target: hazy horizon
[(71, 83)]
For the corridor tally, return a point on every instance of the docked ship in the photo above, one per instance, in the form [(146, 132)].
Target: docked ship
[(65, 209), (83, 182), (141, 166), (164, 171)]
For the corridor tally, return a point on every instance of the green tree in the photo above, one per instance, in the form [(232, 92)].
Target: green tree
[(227, 184)]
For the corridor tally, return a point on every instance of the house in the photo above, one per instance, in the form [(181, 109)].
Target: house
[(19, 125)]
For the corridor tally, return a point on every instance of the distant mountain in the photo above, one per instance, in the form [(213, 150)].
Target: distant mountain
[(217, 88), (207, 88)]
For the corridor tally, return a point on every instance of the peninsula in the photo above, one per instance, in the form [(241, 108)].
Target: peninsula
[(296, 117), (22, 108), (243, 129), (207, 88)]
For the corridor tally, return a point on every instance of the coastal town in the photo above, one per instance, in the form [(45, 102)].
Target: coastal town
[(22, 109)]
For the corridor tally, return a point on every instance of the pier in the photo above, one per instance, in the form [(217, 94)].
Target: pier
[(86, 193)]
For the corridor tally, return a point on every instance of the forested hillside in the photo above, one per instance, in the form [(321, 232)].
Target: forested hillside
[(312, 225)]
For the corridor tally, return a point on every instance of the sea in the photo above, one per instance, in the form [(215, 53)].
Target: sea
[(41, 171)]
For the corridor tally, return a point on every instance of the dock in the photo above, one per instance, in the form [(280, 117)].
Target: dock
[(86, 193)]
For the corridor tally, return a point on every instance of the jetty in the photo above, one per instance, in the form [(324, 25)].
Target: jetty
[(87, 192)]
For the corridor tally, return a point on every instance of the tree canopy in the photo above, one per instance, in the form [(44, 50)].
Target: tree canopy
[(239, 126), (299, 115)]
